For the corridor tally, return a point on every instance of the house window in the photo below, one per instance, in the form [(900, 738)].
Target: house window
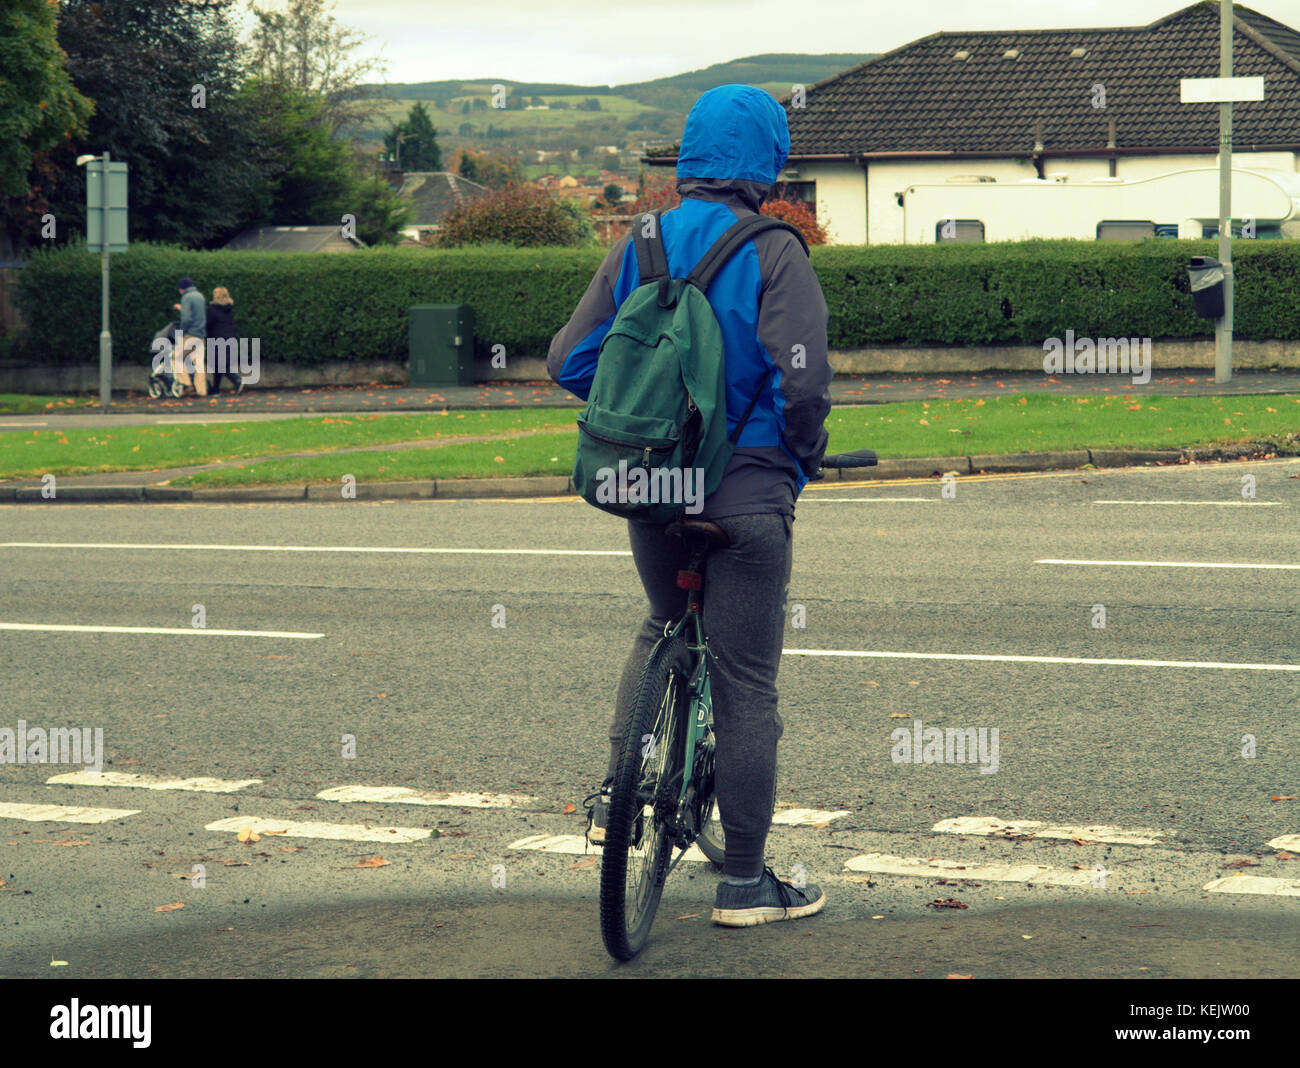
[(970, 231), (804, 192), (1270, 232), (1125, 229)]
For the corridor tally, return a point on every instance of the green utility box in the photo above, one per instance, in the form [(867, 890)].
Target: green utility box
[(442, 345)]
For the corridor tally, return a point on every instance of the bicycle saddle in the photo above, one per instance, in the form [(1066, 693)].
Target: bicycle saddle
[(716, 536)]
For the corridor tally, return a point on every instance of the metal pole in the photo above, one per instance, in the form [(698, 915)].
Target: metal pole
[(105, 338), (1223, 328)]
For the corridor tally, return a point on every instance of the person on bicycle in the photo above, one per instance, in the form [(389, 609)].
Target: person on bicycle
[(773, 317)]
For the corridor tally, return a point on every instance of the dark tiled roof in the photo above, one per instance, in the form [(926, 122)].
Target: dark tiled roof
[(292, 239), (432, 194), (920, 98)]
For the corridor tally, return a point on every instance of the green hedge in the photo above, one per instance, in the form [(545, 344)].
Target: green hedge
[(308, 308)]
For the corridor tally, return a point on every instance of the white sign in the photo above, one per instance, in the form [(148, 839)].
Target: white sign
[(1221, 90)]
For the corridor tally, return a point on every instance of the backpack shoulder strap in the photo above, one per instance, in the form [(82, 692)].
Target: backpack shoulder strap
[(651, 259), (736, 235)]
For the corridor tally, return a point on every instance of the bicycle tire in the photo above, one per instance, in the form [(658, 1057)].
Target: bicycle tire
[(625, 924)]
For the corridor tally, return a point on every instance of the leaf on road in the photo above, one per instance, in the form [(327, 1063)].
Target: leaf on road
[(461, 856), (248, 835), (899, 715), (954, 975), (289, 849), (690, 916), (570, 807), (71, 842), (949, 903), (1284, 855), (1241, 864), (368, 862), (590, 862), (824, 823), (170, 908), (58, 963), (1081, 841), (1282, 797), (236, 863)]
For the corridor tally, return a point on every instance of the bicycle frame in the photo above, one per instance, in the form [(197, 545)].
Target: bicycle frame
[(699, 704)]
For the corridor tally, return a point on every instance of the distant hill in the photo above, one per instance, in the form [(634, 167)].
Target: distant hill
[(772, 68)]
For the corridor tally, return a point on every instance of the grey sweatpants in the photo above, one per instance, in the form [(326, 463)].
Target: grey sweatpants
[(745, 589)]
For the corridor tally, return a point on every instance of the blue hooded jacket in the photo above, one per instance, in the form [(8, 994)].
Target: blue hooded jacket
[(766, 298)]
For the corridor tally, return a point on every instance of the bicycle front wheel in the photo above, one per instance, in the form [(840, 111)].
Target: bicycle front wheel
[(637, 848)]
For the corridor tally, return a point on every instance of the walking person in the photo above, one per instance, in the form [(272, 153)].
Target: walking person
[(223, 340), (191, 354), (773, 317)]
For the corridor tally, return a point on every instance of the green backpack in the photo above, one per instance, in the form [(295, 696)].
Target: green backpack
[(652, 442)]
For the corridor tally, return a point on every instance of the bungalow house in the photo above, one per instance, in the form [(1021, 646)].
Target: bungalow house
[(432, 195), (971, 109), (294, 239)]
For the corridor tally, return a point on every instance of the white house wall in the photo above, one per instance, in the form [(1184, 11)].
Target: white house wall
[(858, 207)]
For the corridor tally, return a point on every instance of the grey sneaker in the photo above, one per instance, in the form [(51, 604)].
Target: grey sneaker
[(768, 901)]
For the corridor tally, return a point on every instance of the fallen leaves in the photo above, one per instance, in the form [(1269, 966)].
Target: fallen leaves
[(954, 975), (1244, 863), (71, 842), (947, 903), (248, 836), (170, 908), (590, 862), (1282, 797), (368, 862), (570, 807)]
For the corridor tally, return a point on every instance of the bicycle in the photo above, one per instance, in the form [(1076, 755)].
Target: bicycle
[(662, 795)]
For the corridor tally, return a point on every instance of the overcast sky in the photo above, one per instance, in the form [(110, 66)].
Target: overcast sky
[(609, 42)]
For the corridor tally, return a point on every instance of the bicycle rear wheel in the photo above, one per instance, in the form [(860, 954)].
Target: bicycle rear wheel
[(637, 848)]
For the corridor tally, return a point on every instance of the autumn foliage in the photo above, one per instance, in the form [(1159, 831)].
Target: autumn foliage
[(660, 194)]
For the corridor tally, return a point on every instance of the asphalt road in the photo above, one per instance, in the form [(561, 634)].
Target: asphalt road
[(1124, 743)]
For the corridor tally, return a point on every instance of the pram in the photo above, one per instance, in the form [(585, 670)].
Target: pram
[(163, 379)]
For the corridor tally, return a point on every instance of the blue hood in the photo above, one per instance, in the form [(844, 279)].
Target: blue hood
[(735, 131)]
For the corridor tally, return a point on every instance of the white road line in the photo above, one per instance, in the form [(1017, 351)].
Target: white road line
[(22, 422), (181, 547), (1168, 563), (989, 825), (1254, 884), (887, 864), (1286, 841), (1212, 504), (341, 832), (63, 813), (198, 422), (1208, 664), (151, 782), (805, 817), (576, 845), (867, 500), (401, 795), (211, 632)]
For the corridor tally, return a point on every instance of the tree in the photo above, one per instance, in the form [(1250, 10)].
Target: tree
[(164, 80), (495, 172), (612, 194), (305, 49), (39, 109), (418, 148), (798, 213)]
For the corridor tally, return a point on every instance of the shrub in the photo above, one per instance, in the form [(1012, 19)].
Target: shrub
[(800, 215), (516, 215)]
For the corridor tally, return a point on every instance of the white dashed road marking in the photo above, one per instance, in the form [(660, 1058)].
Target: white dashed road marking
[(422, 550), (152, 782), (62, 813), (1254, 884), (1290, 842), (209, 632), (1211, 504), (402, 795), (342, 832), (1115, 662), (1169, 563), (805, 817), (989, 825), (576, 844), (887, 864)]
